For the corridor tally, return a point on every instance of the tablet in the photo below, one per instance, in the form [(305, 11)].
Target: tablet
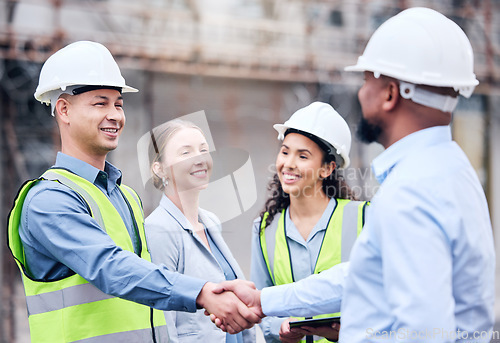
[(327, 321)]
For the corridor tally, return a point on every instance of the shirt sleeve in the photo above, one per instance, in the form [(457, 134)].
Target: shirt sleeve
[(58, 230), (317, 294)]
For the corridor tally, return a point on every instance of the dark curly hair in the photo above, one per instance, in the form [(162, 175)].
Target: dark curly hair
[(334, 186)]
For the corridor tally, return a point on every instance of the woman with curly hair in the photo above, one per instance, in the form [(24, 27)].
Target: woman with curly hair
[(311, 218)]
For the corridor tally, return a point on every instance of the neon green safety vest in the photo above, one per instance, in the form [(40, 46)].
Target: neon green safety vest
[(71, 309), (344, 226)]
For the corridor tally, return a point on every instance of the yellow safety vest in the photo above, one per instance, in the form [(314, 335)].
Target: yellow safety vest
[(344, 226), (71, 309)]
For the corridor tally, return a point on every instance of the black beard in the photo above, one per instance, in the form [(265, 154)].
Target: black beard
[(368, 132)]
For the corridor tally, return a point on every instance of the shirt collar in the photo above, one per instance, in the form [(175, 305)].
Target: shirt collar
[(321, 225), (174, 211), (114, 174), (387, 160), (87, 171)]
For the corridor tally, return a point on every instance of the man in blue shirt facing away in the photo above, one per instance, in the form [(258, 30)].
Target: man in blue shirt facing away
[(78, 235), (423, 267)]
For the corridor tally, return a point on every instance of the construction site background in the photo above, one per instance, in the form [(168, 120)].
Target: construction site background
[(248, 64)]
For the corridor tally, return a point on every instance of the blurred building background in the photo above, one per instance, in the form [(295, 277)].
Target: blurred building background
[(247, 63)]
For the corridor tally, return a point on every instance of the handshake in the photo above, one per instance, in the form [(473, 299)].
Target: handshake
[(232, 305), (236, 305)]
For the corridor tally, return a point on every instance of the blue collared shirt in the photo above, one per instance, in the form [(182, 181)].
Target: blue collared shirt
[(60, 237), (423, 267), (425, 262)]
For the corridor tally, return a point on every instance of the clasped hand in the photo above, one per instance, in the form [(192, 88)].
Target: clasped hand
[(232, 305)]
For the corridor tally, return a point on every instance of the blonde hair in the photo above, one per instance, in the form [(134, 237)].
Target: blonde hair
[(160, 136)]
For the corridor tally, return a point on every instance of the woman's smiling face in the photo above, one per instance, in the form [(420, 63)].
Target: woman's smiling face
[(187, 162), (300, 165)]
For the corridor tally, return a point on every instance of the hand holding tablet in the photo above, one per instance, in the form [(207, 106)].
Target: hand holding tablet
[(327, 321)]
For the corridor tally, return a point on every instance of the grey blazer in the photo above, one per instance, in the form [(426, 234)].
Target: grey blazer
[(172, 242)]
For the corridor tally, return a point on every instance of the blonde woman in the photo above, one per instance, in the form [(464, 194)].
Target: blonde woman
[(180, 234)]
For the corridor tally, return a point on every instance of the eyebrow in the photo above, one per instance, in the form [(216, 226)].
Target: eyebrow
[(299, 150), (190, 146), (103, 97)]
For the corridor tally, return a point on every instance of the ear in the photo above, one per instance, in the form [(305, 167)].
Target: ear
[(62, 110), (158, 170), (327, 169), (391, 96)]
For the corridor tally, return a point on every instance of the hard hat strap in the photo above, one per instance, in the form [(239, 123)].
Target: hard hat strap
[(56, 93), (424, 97), (465, 91), (324, 145), (89, 88), (331, 152)]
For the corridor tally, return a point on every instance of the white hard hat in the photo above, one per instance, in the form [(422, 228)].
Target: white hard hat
[(81, 63), (421, 46), (322, 121)]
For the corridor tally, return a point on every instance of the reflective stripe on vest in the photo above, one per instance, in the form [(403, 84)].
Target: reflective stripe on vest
[(71, 309), (345, 224)]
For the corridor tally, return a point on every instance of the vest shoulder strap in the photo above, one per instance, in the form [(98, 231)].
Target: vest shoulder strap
[(130, 191), (101, 208), (268, 241), (353, 219), (67, 178)]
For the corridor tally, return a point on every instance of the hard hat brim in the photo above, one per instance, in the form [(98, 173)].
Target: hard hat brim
[(281, 135), (355, 67), (128, 89), (281, 130)]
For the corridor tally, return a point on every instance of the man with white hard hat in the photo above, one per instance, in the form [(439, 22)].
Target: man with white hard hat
[(423, 267), (77, 232)]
